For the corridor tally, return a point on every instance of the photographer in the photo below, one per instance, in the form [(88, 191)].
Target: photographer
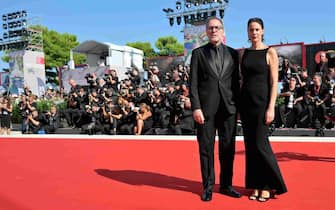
[(112, 80), (329, 79), (171, 99), (331, 115), (111, 115), (141, 96), (143, 119), (287, 71), (33, 122), (303, 79), (318, 95), (160, 115), (154, 70), (71, 112), (291, 109), (91, 80), (73, 86), (184, 123), (109, 95), (322, 66), (6, 109), (154, 82), (134, 77), (127, 122), (52, 120), (183, 72), (26, 105), (93, 119), (94, 97)]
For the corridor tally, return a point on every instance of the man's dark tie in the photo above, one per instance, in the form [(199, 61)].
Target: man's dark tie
[(218, 59)]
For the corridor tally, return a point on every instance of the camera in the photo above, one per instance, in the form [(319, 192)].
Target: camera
[(317, 99), (181, 103), (89, 78), (135, 109)]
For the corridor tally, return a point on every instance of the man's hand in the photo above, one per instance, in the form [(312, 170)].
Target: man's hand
[(198, 116)]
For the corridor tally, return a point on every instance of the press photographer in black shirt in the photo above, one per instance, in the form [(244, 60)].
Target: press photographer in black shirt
[(52, 120), (33, 122), (94, 118), (318, 95), (291, 109), (111, 115)]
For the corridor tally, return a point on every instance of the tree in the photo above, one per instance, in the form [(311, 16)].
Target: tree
[(5, 58), (56, 48), (145, 47), (169, 46)]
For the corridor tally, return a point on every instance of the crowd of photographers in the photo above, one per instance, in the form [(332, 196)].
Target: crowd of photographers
[(308, 101), (160, 104)]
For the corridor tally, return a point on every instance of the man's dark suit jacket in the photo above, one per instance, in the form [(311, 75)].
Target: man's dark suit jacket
[(207, 85)]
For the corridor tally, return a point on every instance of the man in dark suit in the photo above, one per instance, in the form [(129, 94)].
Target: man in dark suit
[(214, 90)]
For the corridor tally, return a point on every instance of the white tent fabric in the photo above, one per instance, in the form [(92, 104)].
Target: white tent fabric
[(113, 55)]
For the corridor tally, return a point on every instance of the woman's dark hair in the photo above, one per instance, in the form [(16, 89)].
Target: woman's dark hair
[(256, 20)]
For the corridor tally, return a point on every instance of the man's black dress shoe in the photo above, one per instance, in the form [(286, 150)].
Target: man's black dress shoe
[(230, 192), (206, 195)]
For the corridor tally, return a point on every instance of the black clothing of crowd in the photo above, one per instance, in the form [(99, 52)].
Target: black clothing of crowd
[(309, 101), (109, 106)]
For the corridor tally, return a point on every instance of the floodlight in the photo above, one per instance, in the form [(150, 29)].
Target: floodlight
[(221, 13), (205, 15), (171, 21), (198, 16), (24, 22), (213, 13), (24, 13), (186, 19), (192, 17), (178, 20), (5, 35), (178, 5)]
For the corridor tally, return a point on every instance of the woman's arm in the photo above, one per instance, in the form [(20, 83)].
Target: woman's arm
[(272, 59)]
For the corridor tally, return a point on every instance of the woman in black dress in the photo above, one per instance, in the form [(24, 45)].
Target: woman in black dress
[(258, 95), (6, 109)]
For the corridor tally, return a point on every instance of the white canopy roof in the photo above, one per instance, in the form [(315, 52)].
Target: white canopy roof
[(102, 48)]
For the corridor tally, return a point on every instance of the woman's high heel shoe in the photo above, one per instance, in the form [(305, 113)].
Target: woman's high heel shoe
[(254, 195), (263, 198)]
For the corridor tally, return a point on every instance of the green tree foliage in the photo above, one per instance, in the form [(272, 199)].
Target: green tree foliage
[(57, 47), (145, 47), (5, 58), (169, 45)]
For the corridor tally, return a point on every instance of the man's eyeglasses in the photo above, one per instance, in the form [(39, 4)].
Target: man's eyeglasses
[(211, 28)]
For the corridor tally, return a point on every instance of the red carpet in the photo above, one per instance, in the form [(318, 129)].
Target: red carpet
[(54, 174)]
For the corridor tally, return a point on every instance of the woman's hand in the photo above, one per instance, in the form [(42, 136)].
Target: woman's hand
[(269, 116)]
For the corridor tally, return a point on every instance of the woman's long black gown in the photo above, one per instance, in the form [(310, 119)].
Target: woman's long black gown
[(262, 170)]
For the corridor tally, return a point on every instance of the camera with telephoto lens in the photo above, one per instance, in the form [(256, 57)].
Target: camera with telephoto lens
[(89, 78)]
